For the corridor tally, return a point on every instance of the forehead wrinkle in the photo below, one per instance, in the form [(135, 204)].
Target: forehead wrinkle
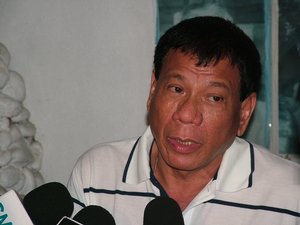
[(194, 71)]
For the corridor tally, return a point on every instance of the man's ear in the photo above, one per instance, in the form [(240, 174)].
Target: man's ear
[(152, 90), (247, 108)]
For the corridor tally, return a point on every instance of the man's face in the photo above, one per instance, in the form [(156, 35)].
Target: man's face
[(195, 112)]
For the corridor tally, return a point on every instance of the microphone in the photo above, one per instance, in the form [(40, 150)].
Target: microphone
[(90, 215), (94, 215), (163, 211), (12, 211), (48, 204)]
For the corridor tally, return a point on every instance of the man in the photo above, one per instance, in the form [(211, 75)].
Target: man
[(203, 92)]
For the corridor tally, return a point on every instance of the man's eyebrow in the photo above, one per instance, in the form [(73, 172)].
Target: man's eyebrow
[(175, 76), (219, 84)]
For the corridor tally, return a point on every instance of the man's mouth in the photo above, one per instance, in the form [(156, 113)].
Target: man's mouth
[(183, 145), (184, 142)]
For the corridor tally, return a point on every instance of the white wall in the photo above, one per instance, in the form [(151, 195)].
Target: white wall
[(86, 65)]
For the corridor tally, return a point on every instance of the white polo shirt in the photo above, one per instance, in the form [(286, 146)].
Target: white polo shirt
[(252, 186)]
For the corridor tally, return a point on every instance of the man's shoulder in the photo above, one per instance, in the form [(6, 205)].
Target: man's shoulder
[(119, 145), (274, 166), (103, 158), (110, 149), (267, 157), (106, 155)]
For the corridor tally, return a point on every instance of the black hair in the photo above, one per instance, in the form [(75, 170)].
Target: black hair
[(212, 39)]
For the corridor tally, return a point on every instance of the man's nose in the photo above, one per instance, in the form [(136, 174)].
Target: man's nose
[(188, 111)]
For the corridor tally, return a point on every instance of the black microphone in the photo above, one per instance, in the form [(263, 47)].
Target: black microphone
[(48, 204), (94, 215), (163, 211)]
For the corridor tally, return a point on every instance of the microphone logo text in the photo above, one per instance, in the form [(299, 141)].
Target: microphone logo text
[(4, 216)]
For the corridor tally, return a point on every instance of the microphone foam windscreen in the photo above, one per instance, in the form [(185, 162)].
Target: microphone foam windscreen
[(47, 204), (94, 215), (163, 211)]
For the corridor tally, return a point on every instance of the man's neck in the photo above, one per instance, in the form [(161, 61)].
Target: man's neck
[(183, 186)]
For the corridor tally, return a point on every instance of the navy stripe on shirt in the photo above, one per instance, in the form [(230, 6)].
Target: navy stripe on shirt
[(120, 192), (255, 207), (114, 192), (78, 202)]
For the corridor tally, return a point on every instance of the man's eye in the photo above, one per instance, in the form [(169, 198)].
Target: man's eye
[(176, 89), (217, 98)]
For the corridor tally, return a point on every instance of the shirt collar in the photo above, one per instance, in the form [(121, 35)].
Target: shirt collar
[(235, 172), (139, 163), (237, 167)]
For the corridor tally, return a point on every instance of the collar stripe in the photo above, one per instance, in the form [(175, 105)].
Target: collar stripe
[(129, 160), (252, 165)]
